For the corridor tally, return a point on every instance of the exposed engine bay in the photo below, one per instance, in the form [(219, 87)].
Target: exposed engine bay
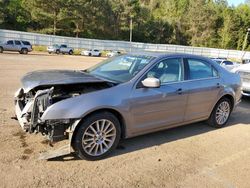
[(30, 107)]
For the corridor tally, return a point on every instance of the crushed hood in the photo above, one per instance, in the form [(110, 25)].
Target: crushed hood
[(56, 77)]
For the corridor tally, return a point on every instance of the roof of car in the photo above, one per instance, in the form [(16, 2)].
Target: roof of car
[(166, 54)]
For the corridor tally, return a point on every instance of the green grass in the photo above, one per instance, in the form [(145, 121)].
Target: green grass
[(40, 48)]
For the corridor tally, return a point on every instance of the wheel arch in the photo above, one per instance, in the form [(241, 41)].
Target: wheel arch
[(113, 111), (228, 96)]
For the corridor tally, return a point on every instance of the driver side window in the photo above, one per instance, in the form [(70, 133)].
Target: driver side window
[(167, 71), (10, 42)]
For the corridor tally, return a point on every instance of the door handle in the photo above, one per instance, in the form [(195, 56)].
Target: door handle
[(179, 91), (218, 85)]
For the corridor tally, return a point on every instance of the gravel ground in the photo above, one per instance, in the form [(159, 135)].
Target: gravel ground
[(190, 156)]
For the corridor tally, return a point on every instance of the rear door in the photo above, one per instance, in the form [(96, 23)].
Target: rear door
[(17, 46), (204, 85)]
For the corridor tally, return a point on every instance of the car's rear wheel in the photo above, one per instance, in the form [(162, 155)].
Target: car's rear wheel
[(97, 136), (220, 113), (1, 49), (57, 52), (89, 54), (70, 52), (24, 51)]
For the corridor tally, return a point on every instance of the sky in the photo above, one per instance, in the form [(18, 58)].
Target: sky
[(235, 2)]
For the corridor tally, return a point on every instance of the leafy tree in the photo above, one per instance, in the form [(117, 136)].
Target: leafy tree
[(47, 13)]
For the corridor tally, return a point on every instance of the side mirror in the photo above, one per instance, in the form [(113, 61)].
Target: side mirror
[(151, 82)]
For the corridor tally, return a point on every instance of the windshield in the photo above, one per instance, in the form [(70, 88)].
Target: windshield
[(120, 69)]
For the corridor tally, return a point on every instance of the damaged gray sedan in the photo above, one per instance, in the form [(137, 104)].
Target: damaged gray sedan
[(124, 97)]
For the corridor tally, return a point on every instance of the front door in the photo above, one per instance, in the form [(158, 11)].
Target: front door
[(9, 45), (156, 108)]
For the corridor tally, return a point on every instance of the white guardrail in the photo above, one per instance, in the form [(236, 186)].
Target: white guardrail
[(42, 39)]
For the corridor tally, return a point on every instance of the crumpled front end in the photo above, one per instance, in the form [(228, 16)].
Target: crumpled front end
[(29, 108), (32, 104)]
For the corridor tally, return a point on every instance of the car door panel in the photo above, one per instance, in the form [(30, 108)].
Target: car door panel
[(201, 98), (154, 108), (204, 86), (9, 46), (157, 107)]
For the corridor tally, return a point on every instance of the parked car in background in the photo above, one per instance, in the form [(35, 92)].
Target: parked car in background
[(245, 61), (244, 72), (113, 53), (63, 49), (229, 65), (23, 47), (123, 97), (91, 52)]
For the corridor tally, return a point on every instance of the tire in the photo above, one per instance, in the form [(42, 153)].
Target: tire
[(24, 51), (217, 119), (57, 52), (70, 52), (49, 52), (90, 145), (89, 54), (1, 49)]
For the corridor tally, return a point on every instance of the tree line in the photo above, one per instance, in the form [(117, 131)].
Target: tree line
[(209, 23)]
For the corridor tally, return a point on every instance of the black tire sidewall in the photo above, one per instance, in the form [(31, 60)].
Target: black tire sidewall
[(1, 49), (77, 140), (24, 51), (212, 119)]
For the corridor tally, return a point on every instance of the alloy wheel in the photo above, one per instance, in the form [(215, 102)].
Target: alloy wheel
[(99, 137), (222, 112)]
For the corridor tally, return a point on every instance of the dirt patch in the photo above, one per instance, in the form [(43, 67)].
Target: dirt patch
[(28, 151)]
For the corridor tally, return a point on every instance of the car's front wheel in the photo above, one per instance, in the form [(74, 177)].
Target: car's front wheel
[(221, 113), (1, 49), (97, 136)]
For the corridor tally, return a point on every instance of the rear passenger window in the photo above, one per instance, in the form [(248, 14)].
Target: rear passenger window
[(26, 42), (17, 42), (199, 70)]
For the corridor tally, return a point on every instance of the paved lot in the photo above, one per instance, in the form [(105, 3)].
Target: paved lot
[(190, 156)]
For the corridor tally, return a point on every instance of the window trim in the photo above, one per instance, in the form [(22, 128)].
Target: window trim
[(138, 83), (17, 42), (10, 41), (187, 70)]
